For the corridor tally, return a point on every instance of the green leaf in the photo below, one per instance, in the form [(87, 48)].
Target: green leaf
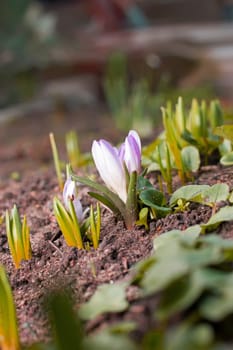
[(190, 336), (181, 294), (155, 200), (188, 193), (218, 306), (143, 184), (184, 292), (231, 197), (107, 298), (191, 158), (227, 159), (152, 197), (224, 214), (187, 237), (216, 193), (174, 261), (109, 339)]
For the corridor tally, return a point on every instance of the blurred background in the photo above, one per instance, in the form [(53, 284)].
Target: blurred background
[(101, 67)]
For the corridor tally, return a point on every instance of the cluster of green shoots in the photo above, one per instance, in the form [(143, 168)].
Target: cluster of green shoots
[(18, 236), (189, 138)]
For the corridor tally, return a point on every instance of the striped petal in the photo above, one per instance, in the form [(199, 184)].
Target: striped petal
[(110, 167), (132, 156)]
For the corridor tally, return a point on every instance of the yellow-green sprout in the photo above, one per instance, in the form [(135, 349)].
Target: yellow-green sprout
[(56, 160), (95, 223), (70, 218), (9, 338), (18, 236)]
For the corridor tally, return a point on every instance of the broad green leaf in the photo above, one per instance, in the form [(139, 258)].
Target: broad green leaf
[(216, 193), (218, 306), (174, 262), (161, 274), (187, 237), (227, 159), (186, 291), (190, 336), (152, 197), (181, 294), (155, 200), (218, 241), (231, 197), (191, 158), (224, 214), (107, 298), (225, 147), (108, 339), (143, 184), (188, 193)]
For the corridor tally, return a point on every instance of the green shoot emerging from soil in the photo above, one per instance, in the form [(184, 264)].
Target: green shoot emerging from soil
[(18, 237), (9, 338), (71, 219), (56, 160)]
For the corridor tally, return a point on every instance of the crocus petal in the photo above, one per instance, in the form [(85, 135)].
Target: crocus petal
[(121, 152), (70, 192), (110, 167), (132, 155), (78, 209), (135, 135)]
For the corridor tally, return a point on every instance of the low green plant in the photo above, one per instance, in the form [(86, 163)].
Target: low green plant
[(204, 194), (188, 137), (18, 237), (71, 218), (189, 277), (75, 232), (9, 337)]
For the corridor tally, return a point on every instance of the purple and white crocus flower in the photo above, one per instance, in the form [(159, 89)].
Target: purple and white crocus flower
[(70, 192), (111, 162)]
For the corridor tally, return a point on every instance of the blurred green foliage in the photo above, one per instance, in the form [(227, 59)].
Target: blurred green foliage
[(26, 33), (134, 104)]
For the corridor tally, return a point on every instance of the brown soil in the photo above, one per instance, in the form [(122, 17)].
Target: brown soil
[(55, 264)]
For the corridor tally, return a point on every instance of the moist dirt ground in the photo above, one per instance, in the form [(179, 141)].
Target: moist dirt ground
[(55, 265)]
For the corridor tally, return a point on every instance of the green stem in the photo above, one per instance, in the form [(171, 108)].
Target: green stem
[(56, 160), (131, 203)]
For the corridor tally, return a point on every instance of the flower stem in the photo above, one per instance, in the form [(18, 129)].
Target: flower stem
[(131, 203)]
